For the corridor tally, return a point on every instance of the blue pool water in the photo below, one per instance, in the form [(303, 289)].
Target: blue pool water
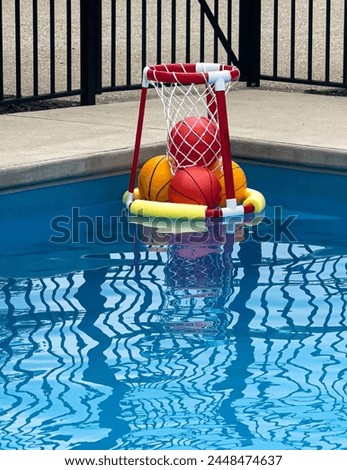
[(118, 336)]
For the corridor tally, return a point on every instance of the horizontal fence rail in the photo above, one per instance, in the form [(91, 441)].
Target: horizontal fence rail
[(58, 48)]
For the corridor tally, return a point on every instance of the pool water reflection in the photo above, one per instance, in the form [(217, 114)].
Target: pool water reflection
[(231, 342)]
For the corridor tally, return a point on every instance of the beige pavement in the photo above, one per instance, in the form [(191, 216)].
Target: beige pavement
[(54, 145)]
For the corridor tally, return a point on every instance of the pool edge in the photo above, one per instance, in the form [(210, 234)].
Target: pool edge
[(114, 162)]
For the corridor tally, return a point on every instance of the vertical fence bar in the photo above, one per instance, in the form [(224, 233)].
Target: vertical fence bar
[(215, 39), (68, 46), (249, 41), (113, 42), (98, 26), (344, 71), (90, 49), (292, 39), (159, 30), (144, 34), (188, 22), (18, 50), (327, 40), (310, 40), (173, 31), (275, 41), (98, 22), (229, 21), (202, 35), (35, 50), (1, 57), (128, 42), (52, 44)]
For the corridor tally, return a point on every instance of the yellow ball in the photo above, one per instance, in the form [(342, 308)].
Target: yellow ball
[(154, 178), (240, 183)]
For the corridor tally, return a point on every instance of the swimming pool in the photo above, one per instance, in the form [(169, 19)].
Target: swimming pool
[(119, 337)]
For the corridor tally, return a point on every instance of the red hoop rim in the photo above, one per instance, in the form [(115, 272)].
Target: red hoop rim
[(187, 74)]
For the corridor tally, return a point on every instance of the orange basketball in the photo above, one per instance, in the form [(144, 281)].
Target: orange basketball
[(154, 178), (240, 183), (193, 141), (195, 185)]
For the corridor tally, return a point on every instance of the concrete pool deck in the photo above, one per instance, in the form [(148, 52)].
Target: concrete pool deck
[(50, 146)]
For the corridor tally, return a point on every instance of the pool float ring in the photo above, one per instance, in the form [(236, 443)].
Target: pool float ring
[(254, 202)]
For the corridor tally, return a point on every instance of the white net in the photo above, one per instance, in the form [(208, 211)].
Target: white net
[(192, 123)]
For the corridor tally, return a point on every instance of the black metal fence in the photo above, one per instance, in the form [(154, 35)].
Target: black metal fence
[(305, 42), (57, 48)]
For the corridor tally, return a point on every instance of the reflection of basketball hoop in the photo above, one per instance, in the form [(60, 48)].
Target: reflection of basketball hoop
[(193, 97), (199, 264), (193, 277), (195, 267)]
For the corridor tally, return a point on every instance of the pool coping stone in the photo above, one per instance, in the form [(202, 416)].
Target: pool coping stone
[(48, 147)]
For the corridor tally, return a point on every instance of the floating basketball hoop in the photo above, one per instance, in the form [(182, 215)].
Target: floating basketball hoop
[(193, 98)]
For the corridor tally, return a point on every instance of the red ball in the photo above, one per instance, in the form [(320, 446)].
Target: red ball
[(194, 141), (195, 185)]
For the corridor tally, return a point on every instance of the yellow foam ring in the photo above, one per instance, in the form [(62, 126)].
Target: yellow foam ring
[(168, 210), (165, 225), (255, 198), (136, 195)]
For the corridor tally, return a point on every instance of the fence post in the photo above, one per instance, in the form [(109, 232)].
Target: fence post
[(249, 41), (90, 18)]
